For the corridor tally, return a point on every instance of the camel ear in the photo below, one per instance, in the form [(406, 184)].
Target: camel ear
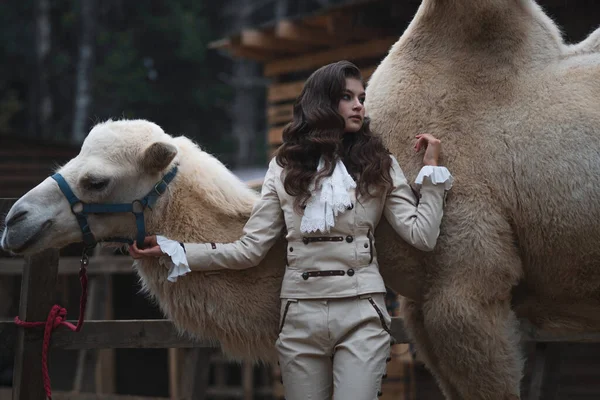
[(158, 156)]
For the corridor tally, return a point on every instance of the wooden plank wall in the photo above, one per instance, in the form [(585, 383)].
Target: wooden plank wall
[(25, 164)]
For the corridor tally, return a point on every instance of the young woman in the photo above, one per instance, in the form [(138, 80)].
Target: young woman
[(327, 188)]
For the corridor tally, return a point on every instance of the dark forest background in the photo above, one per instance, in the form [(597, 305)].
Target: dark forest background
[(67, 64)]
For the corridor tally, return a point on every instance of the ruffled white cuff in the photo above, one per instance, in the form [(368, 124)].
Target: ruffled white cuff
[(177, 261), (437, 175)]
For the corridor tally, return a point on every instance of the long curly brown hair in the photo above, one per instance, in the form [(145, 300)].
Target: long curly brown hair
[(317, 129)]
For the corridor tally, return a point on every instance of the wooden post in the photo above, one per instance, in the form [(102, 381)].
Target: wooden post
[(85, 357), (7, 283), (186, 378), (86, 377), (202, 373), (248, 380), (196, 373), (95, 370), (105, 369), (37, 297), (546, 372), (173, 374)]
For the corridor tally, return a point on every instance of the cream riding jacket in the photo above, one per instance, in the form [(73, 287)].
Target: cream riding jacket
[(343, 261)]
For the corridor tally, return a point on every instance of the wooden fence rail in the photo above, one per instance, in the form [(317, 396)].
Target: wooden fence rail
[(159, 333), (99, 265)]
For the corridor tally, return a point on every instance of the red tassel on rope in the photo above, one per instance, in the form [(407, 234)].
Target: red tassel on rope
[(56, 317)]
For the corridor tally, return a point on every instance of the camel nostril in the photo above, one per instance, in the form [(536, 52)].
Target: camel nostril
[(16, 218)]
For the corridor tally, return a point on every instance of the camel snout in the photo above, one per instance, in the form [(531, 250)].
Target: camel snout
[(23, 228), (17, 217)]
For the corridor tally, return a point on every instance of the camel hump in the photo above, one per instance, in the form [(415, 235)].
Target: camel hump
[(498, 30)]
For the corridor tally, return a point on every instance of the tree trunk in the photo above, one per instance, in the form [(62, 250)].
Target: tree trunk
[(40, 97), (246, 104), (281, 9), (244, 118), (85, 65)]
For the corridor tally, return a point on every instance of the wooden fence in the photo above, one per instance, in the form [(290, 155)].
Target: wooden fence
[(39, 277)]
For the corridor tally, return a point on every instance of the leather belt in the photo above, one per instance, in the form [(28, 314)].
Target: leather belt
[(307, 239), (335, 272)]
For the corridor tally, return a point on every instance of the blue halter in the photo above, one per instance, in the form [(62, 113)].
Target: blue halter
[(137, 207)]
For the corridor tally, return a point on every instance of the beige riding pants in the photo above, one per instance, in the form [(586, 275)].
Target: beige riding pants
[(334, 348)]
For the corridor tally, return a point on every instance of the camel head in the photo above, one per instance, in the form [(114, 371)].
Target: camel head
[(119, 162)]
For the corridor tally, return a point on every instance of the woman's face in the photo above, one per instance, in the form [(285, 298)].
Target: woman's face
[(351, 106)]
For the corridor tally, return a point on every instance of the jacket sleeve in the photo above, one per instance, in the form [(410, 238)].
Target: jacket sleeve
[(417, 222), (260, 233)]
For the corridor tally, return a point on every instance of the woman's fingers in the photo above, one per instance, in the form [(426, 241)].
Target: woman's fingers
[(432, 146), (427, 137), (421, 142), (150, 241), (153, 250), (134, 251), (424, 140)]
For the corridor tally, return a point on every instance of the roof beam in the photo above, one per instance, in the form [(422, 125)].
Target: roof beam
[(299, 33), (377, 48), (341, 23), (266, 41), (321, 20)]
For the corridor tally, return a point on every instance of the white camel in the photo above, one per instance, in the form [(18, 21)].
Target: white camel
[(518, 112)]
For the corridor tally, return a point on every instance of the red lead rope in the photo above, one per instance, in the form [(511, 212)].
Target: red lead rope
[(56, 317)]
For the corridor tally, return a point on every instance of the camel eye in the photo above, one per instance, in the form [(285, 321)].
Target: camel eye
[(95, 184)]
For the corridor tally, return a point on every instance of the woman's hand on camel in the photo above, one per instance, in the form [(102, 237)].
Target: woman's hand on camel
[(432, 146), (152, 249)]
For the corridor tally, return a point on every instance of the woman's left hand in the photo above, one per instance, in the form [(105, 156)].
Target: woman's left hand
[(152, 249), (433, 148)]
